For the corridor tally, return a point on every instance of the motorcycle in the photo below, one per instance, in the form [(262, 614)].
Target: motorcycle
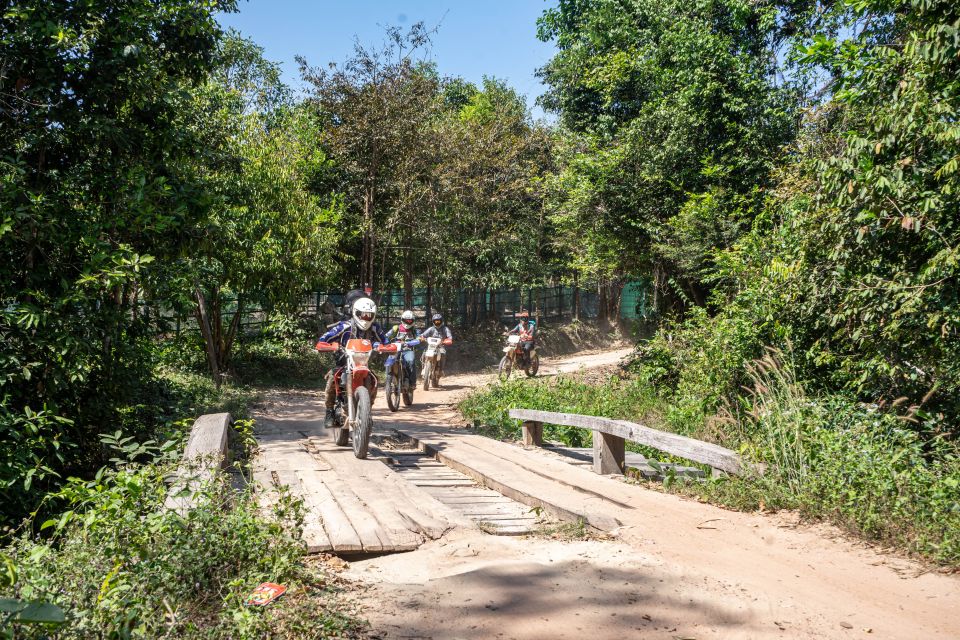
[(356, 386), (433, 361), (513, 353), (399, 382)]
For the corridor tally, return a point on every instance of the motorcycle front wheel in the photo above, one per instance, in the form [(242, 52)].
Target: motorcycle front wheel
[(392, 390), (533, 366), (427, 372), (363, 423), (506, 366)]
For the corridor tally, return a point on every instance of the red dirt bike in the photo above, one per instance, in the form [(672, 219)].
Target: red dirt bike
[(513, 355), (352, 410)]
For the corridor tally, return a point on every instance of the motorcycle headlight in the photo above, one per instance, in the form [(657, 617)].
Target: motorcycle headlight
[(360, 358)]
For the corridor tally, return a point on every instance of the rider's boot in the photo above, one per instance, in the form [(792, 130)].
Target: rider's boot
[(328, 421)]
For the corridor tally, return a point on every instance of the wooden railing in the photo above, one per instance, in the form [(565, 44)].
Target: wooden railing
[(609, 437), (206, 453)]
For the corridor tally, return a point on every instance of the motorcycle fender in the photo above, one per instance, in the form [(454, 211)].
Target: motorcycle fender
[(360, 377), (507, 349)]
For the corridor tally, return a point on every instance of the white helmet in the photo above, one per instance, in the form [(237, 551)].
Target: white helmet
[(407, 318), (364, 311)]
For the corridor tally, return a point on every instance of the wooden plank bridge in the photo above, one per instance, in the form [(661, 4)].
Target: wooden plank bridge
[(422, 480)]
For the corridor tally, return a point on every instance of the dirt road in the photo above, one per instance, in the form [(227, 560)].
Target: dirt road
[(676, 569)]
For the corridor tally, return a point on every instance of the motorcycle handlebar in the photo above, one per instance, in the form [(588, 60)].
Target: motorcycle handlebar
[(326, 347)]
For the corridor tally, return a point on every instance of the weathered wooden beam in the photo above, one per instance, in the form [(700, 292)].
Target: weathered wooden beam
[(608, 453), (532, 434), (703, 452), (205, 454)]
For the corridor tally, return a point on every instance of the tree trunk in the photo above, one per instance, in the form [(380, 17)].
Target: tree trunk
[(492, 309), (602, 302), (408, 279), (616, 300), (429, 300), (225, 353), (366, 267), (204, 322), (576, 296)]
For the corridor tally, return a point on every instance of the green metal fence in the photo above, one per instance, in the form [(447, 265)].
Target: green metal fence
[(461, 307)]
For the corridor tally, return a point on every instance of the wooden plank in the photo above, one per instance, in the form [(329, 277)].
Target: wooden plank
[(372, 535), (381, 503), (508, 478), (289, 456), (704, 452), (208, 437), (430, 516), (205, 454), (314, 535), (532, 433), (608, 453), (339, 530)]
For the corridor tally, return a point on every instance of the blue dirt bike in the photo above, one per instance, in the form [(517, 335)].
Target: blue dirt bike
[(400, 381)]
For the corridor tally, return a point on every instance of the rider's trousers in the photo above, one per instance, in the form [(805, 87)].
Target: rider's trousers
[(409, 365), (330, 393)]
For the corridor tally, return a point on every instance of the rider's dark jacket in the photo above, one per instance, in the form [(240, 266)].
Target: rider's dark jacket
[(442, 332)]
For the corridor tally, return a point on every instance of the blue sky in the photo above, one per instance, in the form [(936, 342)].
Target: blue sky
[(496, 37)]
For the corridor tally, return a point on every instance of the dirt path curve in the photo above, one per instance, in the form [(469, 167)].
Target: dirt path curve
[(676, 569)]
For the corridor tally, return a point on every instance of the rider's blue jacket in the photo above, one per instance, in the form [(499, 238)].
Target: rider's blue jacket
[(346, 330)]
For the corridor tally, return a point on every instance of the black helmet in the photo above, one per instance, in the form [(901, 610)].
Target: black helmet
[(437, 319)]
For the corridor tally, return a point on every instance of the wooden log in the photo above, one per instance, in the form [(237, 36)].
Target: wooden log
[(704, 452), (608, 453), (532, 433)]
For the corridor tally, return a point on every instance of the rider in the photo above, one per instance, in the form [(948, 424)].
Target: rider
[(408, 334), (527, 330), (438, 330), (359, 325)]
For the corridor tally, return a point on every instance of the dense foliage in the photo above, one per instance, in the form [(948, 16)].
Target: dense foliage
[(431, 168), (793, 186), (674, 122), (122, 565)]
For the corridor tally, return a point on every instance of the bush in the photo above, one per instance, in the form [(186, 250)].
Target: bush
[(828, 456), (121, 565), (852, 464)]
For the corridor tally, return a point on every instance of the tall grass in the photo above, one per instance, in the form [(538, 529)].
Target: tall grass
[(827, 456)]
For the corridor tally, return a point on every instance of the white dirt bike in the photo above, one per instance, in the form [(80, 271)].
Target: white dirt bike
[(513, 354), (433, 359), (353, 408)]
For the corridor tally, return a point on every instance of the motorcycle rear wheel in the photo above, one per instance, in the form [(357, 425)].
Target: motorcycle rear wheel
[(363, 423), (506, 366), (392, 389), (533, 366)]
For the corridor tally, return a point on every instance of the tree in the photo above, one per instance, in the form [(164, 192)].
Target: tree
[(268, 238), (94, 103), (373, 111), (673, 123)]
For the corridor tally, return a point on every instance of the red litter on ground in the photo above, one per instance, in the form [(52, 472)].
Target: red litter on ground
[(265, 594)]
